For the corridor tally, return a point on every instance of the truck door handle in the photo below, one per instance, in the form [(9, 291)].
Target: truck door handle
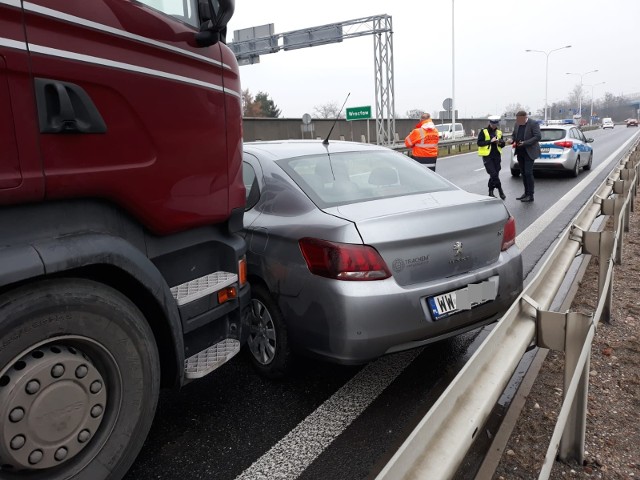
[(65, 107)]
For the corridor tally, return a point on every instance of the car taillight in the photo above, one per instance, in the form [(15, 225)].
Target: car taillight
[(564, 144), (343, 261), (509, 236)]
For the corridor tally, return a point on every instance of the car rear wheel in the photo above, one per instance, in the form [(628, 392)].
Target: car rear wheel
[(79, 381), (268, 341), (588, 165), (515, 172), (576, 168)]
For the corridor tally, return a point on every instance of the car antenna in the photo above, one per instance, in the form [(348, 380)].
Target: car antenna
[(326, 140)]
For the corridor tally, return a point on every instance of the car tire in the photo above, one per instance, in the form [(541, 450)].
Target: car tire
[(79, 381), (576, 168), (515, 172), (268, 341), (589, 163)]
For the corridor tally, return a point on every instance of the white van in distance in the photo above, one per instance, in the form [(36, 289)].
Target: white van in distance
[(445, 131), (607, 123)]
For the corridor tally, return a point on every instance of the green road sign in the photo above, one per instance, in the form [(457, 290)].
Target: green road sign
[(359, 113)]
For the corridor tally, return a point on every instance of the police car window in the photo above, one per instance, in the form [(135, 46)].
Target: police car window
[(184, 10)]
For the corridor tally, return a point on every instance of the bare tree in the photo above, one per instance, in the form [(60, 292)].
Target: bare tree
[(414, 113), (513, 108), (327, 110)]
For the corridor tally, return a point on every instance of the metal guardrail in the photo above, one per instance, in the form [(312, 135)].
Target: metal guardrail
[(439, 443), (442, 144)]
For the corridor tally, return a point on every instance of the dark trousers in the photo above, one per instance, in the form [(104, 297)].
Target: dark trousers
[(492, 166), (430, 162), (526, 169)]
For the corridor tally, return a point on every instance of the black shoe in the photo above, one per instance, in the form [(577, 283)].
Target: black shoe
[(491, 194), (528, 198), (502, 195), (521, 196)]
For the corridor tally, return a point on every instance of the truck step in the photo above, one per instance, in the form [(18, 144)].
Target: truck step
[(200, 287), (213, 357)]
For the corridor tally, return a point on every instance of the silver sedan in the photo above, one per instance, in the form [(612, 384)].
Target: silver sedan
[(355, 251)]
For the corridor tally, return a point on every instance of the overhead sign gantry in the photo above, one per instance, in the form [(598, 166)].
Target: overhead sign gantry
[(249, 43)]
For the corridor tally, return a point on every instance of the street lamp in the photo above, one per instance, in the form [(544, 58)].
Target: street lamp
[(546, 75), (453, 69), (580, 96), (594, 85)]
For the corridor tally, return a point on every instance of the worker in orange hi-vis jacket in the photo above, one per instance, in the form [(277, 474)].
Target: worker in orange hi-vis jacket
[(423, 141)]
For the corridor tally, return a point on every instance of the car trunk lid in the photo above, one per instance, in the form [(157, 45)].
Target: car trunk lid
[(430, 236)]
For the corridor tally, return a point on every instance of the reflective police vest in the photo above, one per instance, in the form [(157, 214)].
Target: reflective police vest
[(486, 149)]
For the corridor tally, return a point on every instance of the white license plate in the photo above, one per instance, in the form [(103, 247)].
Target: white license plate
[(545, 150), (463, 299)]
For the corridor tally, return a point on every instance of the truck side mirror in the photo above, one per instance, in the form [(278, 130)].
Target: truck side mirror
[(214, 17)]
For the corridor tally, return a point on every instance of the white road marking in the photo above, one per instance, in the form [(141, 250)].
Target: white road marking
[(479, 169), (288, 458)]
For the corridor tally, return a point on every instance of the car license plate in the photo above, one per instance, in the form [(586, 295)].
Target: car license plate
[(465, 298), (544, 150)]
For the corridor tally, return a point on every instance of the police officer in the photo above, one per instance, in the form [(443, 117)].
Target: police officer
[(490, 145)]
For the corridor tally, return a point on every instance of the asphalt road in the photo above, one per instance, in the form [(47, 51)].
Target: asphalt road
[(327, 421)]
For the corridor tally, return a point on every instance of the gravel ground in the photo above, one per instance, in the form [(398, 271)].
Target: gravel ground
[(612, 447)]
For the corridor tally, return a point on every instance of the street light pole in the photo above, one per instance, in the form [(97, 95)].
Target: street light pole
[(546, 76), (594, 85), (580, 96), (453, 70)]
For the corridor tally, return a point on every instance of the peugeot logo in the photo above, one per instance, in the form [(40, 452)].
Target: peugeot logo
[(457, 248)]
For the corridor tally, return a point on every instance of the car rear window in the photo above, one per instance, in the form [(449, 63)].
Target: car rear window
[(552, 134), (350, 177)]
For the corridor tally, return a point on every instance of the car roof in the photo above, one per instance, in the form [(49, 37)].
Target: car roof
[(278, 149), (558, 127)]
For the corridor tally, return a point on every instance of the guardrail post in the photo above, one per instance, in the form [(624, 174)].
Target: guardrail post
[(568, 332), (600, 244), (572, 442)]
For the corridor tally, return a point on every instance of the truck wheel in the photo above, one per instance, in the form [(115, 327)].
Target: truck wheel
[(268, 341), (79, 381)]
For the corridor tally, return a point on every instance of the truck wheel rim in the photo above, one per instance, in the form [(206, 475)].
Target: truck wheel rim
[(262, 336), (54, 400)]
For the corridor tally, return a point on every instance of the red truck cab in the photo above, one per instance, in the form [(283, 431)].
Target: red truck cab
[(121, 199)]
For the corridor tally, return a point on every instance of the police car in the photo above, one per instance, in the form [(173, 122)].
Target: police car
[(563, 148)]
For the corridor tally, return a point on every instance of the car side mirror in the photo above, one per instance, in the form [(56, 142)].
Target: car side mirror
[(589, 140), (214, 17)]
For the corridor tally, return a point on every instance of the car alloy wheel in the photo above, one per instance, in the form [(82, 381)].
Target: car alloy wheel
[(589, 163), (268, 342), (576, 168)]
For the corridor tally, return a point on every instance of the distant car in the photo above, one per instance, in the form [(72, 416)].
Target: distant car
[(355, 251), (445, 131), (607, 123), (563, 148), (632, 122)]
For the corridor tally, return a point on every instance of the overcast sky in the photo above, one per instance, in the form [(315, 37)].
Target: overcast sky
[(492, 69)]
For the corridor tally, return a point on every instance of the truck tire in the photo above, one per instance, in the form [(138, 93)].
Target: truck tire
[(79, 381)]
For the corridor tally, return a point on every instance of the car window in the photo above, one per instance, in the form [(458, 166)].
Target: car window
[(184, 10), (458, 127), (250, 180), (442, 127), (552, 134), (582, 136), (350, 177)]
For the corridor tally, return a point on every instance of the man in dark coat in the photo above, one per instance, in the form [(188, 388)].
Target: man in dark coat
[(526, 142)]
